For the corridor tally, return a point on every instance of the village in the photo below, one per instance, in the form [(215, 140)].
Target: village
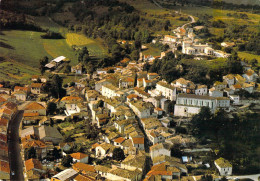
[(121, 122), (133, 137)]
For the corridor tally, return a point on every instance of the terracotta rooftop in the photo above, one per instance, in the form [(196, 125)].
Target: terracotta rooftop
[(138, 140), (119, 140), (78, 155), (34, 106), (31, 114), (83, 167), (36, 85), (33, 163)]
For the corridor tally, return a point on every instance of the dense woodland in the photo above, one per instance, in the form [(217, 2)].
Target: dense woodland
[(235, 138), (215, 4), (172, 68)]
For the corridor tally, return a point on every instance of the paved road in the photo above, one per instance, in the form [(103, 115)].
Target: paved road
[(192, 21), (157, 4), (253, 177), (16, 163)]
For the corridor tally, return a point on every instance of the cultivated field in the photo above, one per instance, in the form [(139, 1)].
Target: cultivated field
[(249, 56), (95, 47), (22, 46), (16, 72)]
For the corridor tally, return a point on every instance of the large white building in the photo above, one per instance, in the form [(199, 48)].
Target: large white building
[(166, 90), (223, 166), (109, 91), (190, 104), (188, 47)]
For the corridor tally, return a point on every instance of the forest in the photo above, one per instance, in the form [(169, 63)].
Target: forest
[(235, 138)]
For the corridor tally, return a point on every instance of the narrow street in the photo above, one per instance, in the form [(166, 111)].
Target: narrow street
[(16, 164)]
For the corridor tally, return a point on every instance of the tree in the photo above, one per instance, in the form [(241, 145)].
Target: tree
[(206, 178), (51, 108), (66, 161), (67, 69), (135, 55), (224, 179), (83, 55), (43, 62), (118, 154), (56, 86), (30, 153)]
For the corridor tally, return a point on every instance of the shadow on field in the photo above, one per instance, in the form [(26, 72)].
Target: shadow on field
[(1, 33), (5, 45), (2, 59)]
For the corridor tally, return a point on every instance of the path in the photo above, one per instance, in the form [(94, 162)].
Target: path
[(16, 163), (192, 21), (157, 4), (253, 177)]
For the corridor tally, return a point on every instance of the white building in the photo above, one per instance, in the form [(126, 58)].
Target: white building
[(223, 166), (109, 91), (189, 104), (250, 75), (234, 98), (141, 109), (201, 90), (213, 92), (160, 149), (166, 90)]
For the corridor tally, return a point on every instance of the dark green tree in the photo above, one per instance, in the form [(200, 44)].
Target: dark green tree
[(30, 153), (118, 154), (67, 69), (51, 108), (83, 55), (66, 161), (43, 62)]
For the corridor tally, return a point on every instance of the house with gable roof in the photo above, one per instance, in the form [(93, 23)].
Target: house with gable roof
[(224, 167), (79, 157), (34, 169), (160, 149), (35, 107)]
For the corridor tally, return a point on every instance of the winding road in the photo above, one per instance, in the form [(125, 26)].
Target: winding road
[(16, 163)]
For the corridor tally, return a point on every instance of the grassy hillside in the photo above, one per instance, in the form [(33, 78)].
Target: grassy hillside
[(16, 72), (253, 2), (95, 46), (22, 46)]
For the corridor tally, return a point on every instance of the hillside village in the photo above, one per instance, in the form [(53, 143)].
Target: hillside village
[(124, 123), (132, 134)]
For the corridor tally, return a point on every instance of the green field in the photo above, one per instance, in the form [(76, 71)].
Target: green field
[(152, 51), (151, 11), (249, 56), (95, 47), (27, 46), (16, 72), (22, 46)]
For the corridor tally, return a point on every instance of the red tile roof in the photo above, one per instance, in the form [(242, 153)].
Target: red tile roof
[(83, 167), (119, 140), (237, 86), (34, 106), (138, 140), (18, 88), (30, 114), (4, 167), (78, 155), (33, 163), (36, 85), (33, 143), (3, 121)]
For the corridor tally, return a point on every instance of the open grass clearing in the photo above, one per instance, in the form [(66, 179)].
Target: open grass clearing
[(249, 56), (152, 51), (23, 46), (16, 72), (95, 46)]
